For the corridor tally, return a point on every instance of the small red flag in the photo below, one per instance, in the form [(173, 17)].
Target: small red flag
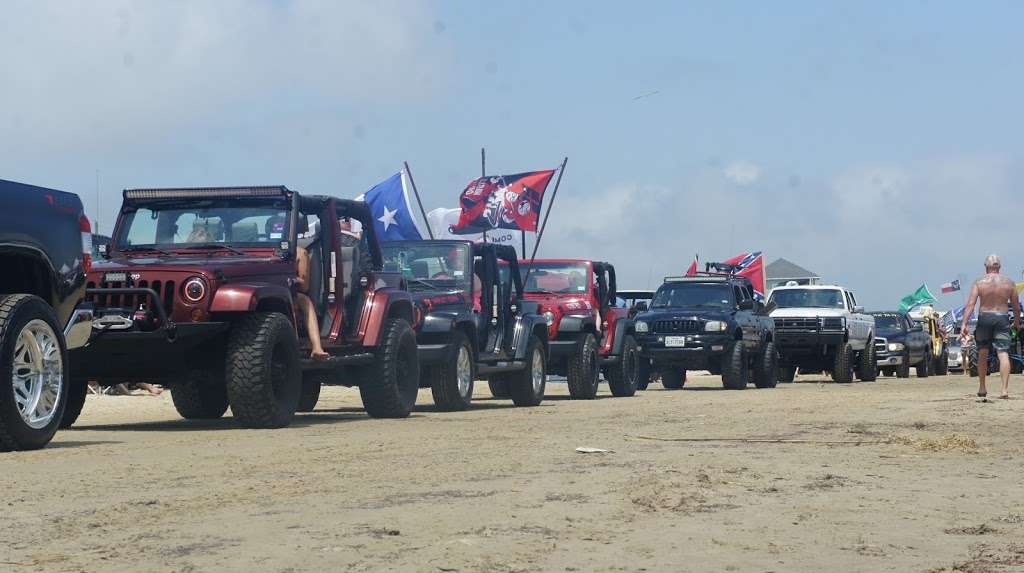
[(692, 271)]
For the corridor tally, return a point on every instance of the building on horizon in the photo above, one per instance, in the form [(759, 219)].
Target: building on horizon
[(780, 271)]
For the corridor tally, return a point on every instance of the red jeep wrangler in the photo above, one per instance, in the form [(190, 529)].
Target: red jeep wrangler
[(198, 292), (588, 334)]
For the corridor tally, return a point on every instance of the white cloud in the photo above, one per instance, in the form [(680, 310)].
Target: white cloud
[(742, 172), (77, 74), (881, 229)]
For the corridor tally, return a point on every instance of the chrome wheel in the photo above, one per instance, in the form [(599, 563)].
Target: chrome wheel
[(38, 374), (464, 372), (537, 372)]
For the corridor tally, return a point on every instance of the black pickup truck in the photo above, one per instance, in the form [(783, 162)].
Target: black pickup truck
[(45, 251), (711, 321)]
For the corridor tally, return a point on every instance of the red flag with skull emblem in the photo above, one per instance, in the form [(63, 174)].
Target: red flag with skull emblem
[(502, 202)]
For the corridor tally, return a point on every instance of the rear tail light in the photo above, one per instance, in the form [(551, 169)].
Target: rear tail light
[(86, 229)]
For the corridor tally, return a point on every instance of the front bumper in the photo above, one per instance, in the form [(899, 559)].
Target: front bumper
[(889, 359), (133, 355), (807, 341), (699, 351)]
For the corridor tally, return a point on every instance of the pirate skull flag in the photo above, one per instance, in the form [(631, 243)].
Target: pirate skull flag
[(502, 202)]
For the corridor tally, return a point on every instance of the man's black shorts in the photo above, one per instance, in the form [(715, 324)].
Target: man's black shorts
[(993, 328)]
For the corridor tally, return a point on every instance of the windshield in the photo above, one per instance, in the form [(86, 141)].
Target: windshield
[(888, 323), (561, 278), (429, 266), (807, 298), (237, 222), (693, 295)]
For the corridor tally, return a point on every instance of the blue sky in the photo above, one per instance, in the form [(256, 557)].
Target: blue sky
[(876, 143)]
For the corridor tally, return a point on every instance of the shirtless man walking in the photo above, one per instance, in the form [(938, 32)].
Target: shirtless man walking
[(996, 294)]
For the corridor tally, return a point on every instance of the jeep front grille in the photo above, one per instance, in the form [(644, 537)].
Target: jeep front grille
[(684, 326), (163, 289)]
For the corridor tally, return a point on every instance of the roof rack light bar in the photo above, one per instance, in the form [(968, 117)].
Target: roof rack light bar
[(206, 192)]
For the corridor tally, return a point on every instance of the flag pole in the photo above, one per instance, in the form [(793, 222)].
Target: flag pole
[(540, 233), (418, 202), (483, 173)]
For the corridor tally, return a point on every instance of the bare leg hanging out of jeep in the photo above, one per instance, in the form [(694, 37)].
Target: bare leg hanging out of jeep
[(307, 307)]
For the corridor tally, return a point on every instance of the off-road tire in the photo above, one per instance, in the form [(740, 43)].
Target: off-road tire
[(498, 386), (842, 369), (787, 374), (262, 372), (200, 396), (942, 364), (75, 402), (734, 367), (644, 373), (625, 374), (766, 371), (520, 384), (673, 378), (311, 383), (584, 373), (903, 370), (389, 386), (868, 368), (16, 312), (924, 368), (443, 378)]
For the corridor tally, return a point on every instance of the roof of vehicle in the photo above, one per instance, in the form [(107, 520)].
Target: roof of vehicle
[(886, 312), (205, 192), (430, 242), (809, 287), (557, 261), (712, 278), (635, 292)]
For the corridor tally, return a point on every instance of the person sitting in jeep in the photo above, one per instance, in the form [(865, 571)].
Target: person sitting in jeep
[(306, 305)]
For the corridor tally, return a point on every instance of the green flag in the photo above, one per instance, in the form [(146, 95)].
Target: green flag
[(920, 296)]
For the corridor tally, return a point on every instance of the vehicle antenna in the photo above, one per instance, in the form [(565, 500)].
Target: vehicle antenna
[(415, 192), (543, 225)]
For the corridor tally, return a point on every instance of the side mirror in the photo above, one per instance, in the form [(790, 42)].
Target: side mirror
[(640, 307), (858, 310), (747, 304)]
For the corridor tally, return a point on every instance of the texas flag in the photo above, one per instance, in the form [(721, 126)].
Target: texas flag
[(389, 204), (750, 265), (692, 271), (951, 286)]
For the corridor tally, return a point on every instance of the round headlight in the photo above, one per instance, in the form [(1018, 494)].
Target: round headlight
[(641, 326), (549, 317), (715, 326), (194, 289)]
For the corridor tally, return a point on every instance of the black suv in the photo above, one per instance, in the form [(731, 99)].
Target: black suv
[(471, 318), (711, 321)]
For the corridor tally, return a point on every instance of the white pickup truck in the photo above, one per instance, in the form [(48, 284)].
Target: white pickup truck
[(820, 328)]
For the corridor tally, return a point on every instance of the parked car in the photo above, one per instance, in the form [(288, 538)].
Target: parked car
[(198, 291), (822, 328), (955, 362), (587, 335), (900, 343), (932, 326), (45, 253), (634, 300), (708, 322), (472, 320)]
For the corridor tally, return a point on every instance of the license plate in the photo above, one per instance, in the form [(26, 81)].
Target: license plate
[(115, 277), (675, 341)]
